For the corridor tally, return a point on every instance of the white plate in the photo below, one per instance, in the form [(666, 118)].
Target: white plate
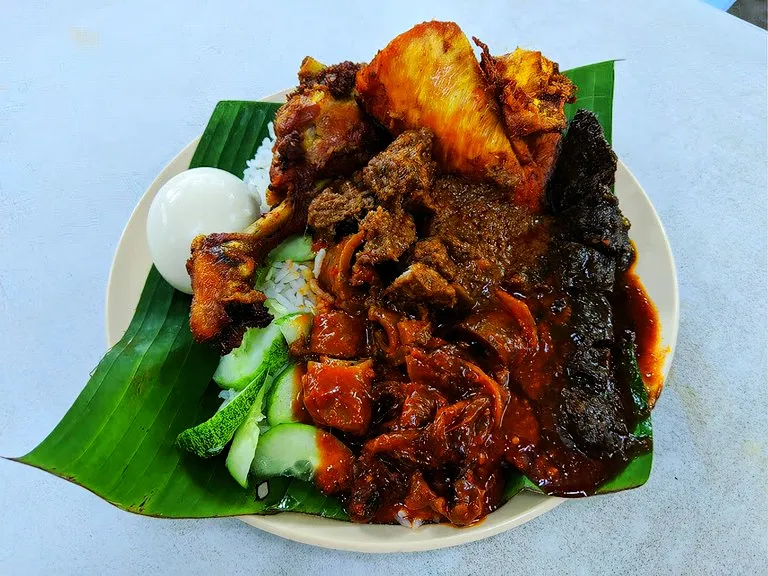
[(655, 266)]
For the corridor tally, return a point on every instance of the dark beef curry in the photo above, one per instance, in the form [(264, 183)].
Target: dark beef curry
[(463, 335)]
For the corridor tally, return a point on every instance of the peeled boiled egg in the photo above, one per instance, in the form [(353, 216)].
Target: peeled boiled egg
[(198, 201)]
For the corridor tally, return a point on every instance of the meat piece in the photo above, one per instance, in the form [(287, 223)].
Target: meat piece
[(590, 369), (531, 89), (320, 131), (487, 237), (599, 223), (388, 234), (225, 303), (343, 202), (387, 339), (405, 167), (414, 332), (591, 320), (420, 404), (586, 164), (376, 485), (420, 284), (455, 376), (593, 422), (338, 334), (337, 269), (585, 268), (498, 332), (340, 78), (338, 394), (432, 252)]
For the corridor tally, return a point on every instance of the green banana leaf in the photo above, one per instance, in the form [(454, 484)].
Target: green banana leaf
[(118, 439)]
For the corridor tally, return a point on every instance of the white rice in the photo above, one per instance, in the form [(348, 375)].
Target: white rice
[(287, 286), (256, 174)]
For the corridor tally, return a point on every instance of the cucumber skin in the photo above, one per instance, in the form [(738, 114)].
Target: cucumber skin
[(273, 358), (277, 412), (211, 437), (271, 459), (246, 438), (295, 326)]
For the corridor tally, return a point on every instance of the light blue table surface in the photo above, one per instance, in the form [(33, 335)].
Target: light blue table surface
[(95, 97)]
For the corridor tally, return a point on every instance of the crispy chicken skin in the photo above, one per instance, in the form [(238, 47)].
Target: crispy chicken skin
[(530, 88), (499, 121)]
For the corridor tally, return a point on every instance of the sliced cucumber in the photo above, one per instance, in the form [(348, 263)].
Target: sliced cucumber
[(246, 438), (295, 326), (296, 248), (287, 450), (262, 350), (284, 392), (304, 452), (275, 308), (210, 437)]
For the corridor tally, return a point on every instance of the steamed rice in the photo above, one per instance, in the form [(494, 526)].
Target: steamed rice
[(256, 174)]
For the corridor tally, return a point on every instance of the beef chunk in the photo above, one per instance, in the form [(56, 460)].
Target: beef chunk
[(585, 165), (591, 319), (432, 252), (599, 223), (593, 422), (387, 236), (404, 168), (340, 203), (585, 268), (420, 284)]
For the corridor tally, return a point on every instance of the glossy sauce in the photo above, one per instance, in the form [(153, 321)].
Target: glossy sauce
[(334, 472), (639, 314)]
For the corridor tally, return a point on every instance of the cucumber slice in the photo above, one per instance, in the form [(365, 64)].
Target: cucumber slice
[(262, 350), (304, 452), (275, 308), (284, 392), (287, 450), (295, 326), (246, 438), (296, 248), (209, 438)]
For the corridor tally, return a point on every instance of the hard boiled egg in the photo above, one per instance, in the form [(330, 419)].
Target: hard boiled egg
[(198, 201)]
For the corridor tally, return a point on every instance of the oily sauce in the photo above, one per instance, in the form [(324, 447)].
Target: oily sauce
[(639, 314)]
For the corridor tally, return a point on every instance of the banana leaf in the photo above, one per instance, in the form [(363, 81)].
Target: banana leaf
[(118, 439)]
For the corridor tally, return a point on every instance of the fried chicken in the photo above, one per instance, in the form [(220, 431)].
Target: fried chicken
[(498, 121)]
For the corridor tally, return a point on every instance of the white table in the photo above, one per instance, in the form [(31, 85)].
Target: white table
[(95, 97)]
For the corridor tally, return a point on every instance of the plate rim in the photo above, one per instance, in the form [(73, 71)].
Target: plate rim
[(282, 524)]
